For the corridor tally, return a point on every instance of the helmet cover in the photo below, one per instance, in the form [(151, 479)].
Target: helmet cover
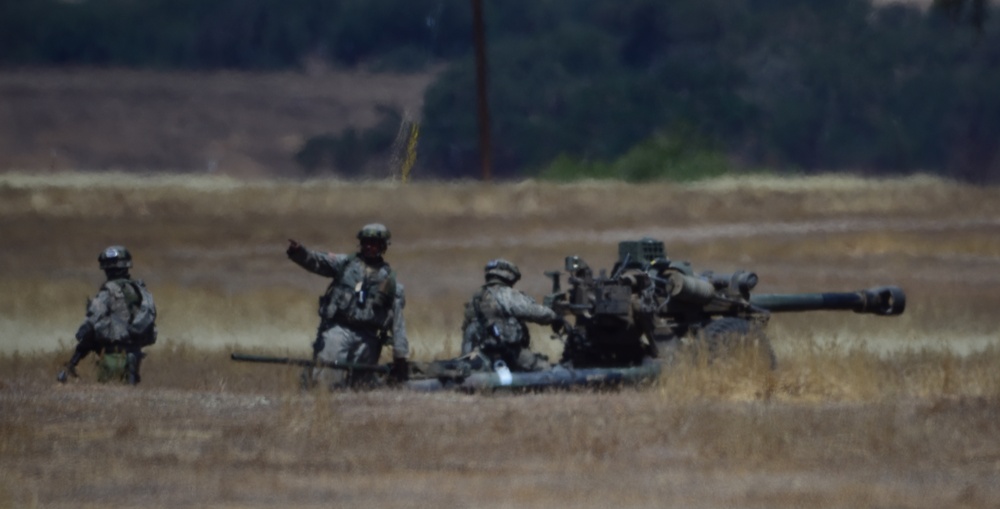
[(502, 269), (115, 257), (374, 231)]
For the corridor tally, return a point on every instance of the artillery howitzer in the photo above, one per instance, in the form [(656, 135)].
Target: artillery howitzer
[(649, 303), (623, 322)]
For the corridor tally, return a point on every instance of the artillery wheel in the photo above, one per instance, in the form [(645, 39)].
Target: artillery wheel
[(725, 334)]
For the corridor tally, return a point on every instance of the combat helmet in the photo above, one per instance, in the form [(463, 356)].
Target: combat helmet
[(503, 270), (115, 257), (376, 231)]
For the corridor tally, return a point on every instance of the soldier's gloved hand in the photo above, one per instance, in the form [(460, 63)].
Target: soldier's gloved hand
[(294, 247), (400, 370), (558, 325)]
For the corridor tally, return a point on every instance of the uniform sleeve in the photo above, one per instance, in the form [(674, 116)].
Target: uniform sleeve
[(317, 262), (469, 316), (522, 306), (98, 306), (400, 343)]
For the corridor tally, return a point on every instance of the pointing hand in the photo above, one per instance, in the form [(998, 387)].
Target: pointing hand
[(293, 247)]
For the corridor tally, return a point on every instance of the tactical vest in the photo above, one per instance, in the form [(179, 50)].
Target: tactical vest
[(363, 295), (130, 314), (496, 326)]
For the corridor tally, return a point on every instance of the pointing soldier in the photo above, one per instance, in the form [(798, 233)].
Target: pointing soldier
[(496, 319), (361, 307), (120, 321)]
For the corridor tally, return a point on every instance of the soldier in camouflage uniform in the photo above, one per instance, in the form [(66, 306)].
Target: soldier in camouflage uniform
[(496, 316), (121, 320), (361, 308)]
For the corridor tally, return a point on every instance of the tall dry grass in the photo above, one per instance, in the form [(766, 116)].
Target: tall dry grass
[(212, 248), (818, 432), (861, 412)]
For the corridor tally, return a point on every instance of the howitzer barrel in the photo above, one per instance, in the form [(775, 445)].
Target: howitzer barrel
[(883, 301)]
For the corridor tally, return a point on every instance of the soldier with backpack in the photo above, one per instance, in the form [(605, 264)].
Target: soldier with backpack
[(496, 319), (120, 321), (361, 309)]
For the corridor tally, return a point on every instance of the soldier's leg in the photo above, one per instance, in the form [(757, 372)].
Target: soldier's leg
[(470, 339), (132, 362), (307, 379), (336, 347), (531, 361), (81, 351), (366, 350)]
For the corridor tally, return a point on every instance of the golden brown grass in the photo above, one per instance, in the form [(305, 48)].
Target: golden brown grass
[(861, 412)]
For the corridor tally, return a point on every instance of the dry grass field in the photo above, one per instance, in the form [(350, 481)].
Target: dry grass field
[(861, 412)]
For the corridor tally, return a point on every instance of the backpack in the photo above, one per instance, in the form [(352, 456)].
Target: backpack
[(496, 327), (142, 327)]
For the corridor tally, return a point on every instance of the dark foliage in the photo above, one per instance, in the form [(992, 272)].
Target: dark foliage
[(804, 85), (352, 152)]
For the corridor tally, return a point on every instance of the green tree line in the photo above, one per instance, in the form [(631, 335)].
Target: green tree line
[(634, 89)]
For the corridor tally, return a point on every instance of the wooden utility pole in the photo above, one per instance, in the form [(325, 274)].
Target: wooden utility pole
[(479, 36)]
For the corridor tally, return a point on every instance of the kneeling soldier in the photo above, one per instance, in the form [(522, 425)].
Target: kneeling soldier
[(121, 320)]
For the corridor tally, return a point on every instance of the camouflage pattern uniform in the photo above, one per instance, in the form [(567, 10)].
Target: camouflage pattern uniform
[(395, 330), (361, 308), (120, 321), (496, 316)]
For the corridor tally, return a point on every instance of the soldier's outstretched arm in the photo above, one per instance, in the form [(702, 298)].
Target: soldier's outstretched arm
[(86, 332), (524, 307), (324, 264)]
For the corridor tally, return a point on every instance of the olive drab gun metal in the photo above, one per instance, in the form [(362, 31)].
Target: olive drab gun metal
[(459, 375), (650, 302), (308, 363)]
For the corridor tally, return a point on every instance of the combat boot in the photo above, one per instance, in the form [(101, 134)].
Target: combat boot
[(69, 370)]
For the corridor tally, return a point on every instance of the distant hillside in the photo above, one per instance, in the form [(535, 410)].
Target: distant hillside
[(231, 123), (640, 90)]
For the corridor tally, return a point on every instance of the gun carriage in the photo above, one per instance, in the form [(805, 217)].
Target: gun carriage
[(649, 304)]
